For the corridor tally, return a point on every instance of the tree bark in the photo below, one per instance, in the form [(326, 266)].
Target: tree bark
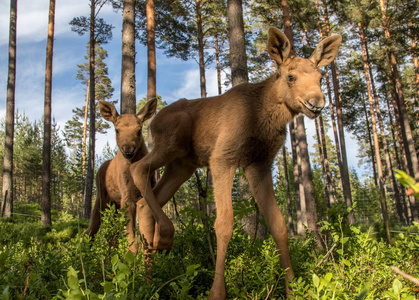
[(200, 48), (128, 102), (46, 153), (411, 156), (287, 186), (383, 200), (86, 113), (7, 191), (306, 177), (346, 184), (88, 187), (238, 60), (217, 60), (389, 163)]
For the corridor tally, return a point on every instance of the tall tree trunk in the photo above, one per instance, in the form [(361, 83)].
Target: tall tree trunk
[(200, 48), (46, 153), (306, 177), (329, 181), (383, 200), (151, 67), (300, 201), (399, 166), (407, 136), (287, 186), (217, 60), (7, 191), (151, 51), (238, 60), (367, 122), (346, 184), (88, 187), (86, 113), (128, 102), (389, 163)]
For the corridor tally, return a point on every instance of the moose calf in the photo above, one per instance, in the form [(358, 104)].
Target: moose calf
[(113, 179), (245, 127)]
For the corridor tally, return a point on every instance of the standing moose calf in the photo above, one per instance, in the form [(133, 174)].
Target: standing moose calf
[(113, 179), (245, 127)]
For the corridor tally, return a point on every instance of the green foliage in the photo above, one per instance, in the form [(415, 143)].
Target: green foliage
[(408, 182), (65, 264)]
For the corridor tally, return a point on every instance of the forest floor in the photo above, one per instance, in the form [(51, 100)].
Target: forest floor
[(61, 263)]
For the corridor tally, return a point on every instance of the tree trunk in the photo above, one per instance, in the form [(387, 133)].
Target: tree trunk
[(86, 113), (389, 163), (399, 166), (151, 68), (306, 179), (367, 122), (128, 102), (323, 165), (217, 60), (411, 156), (151, 51), (331, 187), (238, 60), (383, 200), (200, 48), (46, 153), (287, 186), (346, 184), (88, 187), (406, 132), (7, 192)]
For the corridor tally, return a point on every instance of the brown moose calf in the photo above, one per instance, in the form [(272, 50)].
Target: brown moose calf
[(113, 179), (245, 127)]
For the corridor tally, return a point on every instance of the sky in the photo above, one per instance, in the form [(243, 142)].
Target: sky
[(175, 78)]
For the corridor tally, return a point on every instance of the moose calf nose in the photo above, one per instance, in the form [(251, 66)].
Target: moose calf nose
[(316, 100)]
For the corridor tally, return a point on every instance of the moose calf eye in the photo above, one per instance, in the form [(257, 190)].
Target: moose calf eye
[(291, 78), (116, 131), (139, 132)]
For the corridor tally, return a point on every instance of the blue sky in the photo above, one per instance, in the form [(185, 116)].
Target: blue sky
[(175, 78)]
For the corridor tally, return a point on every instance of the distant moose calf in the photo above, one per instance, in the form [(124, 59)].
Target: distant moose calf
[(245, 127), (113, 179)]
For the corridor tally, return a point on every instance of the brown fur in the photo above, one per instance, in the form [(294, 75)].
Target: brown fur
[(113, 179), (245, 127)]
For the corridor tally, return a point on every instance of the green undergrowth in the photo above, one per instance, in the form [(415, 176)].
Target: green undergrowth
[(61, 263)]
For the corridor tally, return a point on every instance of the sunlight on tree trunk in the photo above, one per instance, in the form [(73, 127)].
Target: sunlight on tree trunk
[(7, 191), (46, 153)]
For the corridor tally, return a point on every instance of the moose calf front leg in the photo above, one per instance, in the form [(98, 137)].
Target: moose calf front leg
[(132, 240), (140, 173), (146, 223)]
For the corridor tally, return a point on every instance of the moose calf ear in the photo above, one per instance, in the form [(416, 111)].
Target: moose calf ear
[(326, 51), (278, 45), (108, 111), (148, 110)]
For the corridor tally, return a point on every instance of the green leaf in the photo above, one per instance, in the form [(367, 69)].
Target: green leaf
[(397, 286), (124, 268), (129, 257), (114, 259), (316, 281), (328, 277), (346, 262)]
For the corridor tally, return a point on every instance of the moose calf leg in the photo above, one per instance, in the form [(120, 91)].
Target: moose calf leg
[(140, 173), (224, 224), (260, 181), (132, 240), (146, 223)]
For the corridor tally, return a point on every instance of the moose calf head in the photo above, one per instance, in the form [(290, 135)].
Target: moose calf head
[(128, 127), (298, 79)]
